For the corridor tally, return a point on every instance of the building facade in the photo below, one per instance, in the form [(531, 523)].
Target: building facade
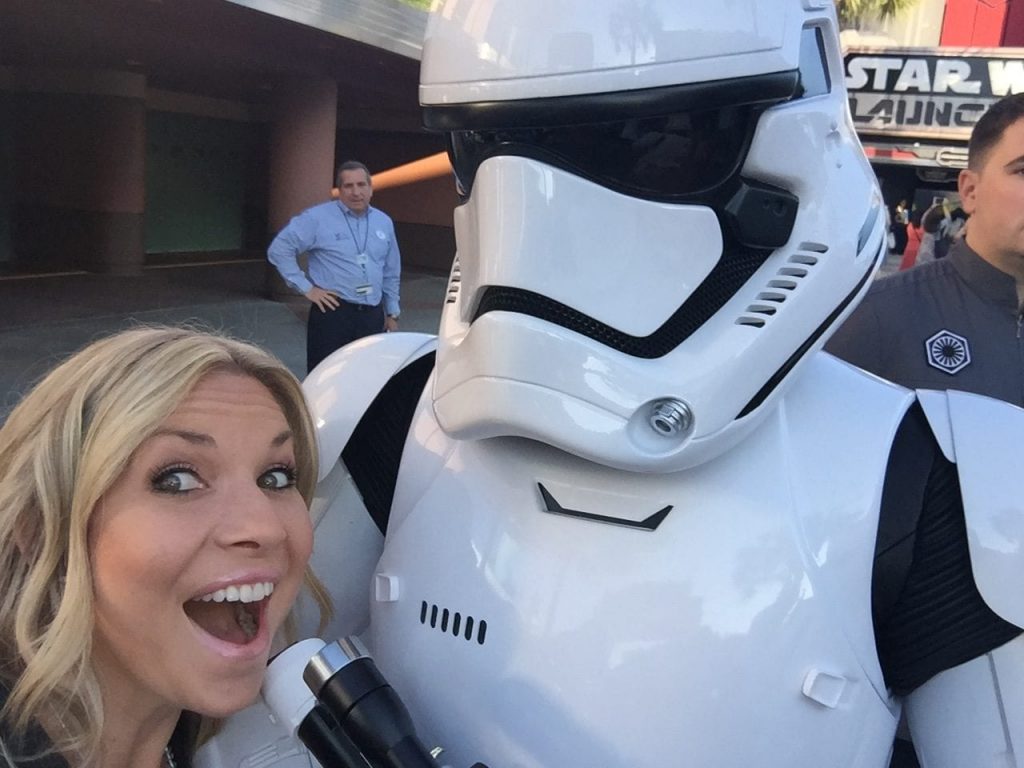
[(140, 132)]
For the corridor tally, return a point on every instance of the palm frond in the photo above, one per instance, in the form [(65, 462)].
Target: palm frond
[(851, 11)]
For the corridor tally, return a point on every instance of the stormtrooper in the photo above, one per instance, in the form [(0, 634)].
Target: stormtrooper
[(622, 512)]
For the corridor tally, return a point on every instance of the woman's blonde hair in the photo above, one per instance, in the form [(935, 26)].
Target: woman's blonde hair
[(61, 449)]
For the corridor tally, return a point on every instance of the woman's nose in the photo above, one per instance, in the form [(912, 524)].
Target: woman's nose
[(251, 518)]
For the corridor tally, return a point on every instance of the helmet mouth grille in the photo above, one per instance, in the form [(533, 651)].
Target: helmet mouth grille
[(809, 342), (454, 279)]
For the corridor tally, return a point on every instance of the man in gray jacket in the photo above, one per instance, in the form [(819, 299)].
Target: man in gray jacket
[(956, 323)]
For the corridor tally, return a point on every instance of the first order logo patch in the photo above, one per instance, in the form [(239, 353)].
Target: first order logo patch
[(948, 351)]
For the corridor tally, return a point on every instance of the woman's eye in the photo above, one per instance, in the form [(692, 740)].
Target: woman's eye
[(277, 479), (177, 481)]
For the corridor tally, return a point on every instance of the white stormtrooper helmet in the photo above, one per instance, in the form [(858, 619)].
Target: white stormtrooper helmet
[(666, 210)]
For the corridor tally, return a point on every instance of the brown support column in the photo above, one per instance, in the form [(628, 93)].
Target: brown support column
[(301, 156), (80, 143), (6, 175)]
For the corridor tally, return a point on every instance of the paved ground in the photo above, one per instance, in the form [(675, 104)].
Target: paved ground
[(43, 319)]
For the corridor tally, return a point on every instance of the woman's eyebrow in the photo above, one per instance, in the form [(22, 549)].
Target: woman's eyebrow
[(201, 438), (197, 438)]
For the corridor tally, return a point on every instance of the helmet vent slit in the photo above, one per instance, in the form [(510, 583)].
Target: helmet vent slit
[(453, 282), (769, 301), (814, 247), (803, 258)]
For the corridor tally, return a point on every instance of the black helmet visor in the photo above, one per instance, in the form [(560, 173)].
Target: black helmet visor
[(661, 144)]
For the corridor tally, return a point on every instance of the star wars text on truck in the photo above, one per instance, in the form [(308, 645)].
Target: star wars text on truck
[(914, 109)]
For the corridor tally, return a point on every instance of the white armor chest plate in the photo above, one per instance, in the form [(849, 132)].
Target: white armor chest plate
[(737, 632)]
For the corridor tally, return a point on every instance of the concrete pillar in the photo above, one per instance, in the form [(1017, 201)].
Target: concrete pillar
[(302, 136), (80, 149), (6, 177)]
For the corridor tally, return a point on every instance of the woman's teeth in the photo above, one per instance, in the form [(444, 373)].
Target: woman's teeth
[(243, 593)]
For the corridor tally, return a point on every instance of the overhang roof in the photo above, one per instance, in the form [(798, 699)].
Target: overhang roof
[(212, 48)]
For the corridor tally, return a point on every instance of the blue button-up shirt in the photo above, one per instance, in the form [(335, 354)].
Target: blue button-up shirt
[(345, 250)]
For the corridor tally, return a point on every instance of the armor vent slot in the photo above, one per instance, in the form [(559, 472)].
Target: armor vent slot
[(453, 282), (459, 624), (797, 267)]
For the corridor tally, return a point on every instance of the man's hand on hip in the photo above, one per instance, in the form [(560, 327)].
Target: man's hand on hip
[(323, 299)]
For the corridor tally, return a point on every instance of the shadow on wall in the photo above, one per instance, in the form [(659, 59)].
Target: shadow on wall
[(6, 176), (422, 212)]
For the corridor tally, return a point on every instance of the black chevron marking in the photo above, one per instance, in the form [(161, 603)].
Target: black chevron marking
[(648, 524)]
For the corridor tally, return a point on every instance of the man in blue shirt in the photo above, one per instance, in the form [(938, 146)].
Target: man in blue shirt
[(354, 265)]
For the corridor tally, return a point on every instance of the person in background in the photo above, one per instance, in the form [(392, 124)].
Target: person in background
[(939, 232), (932, 224), (957, 225), (154, 532), (900, 219), (955, 323), (914, 235), (354, 265)]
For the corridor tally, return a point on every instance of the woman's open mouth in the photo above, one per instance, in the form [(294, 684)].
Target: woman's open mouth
[(232, 614)]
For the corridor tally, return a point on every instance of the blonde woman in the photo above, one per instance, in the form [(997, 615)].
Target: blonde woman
[(154, 532)]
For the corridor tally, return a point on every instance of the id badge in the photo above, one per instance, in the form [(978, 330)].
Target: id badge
[(363, 290), (361, 259)]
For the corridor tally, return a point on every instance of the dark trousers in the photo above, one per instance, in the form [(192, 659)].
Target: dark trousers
[(331, 330), (899, 232)]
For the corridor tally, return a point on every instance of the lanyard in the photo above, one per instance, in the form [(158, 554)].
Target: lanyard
[(366, 234)]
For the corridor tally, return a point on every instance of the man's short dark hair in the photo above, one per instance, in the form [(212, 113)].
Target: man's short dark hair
[(989, 129), (351, 165)]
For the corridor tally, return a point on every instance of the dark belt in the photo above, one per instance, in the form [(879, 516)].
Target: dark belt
[(359, 307)]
